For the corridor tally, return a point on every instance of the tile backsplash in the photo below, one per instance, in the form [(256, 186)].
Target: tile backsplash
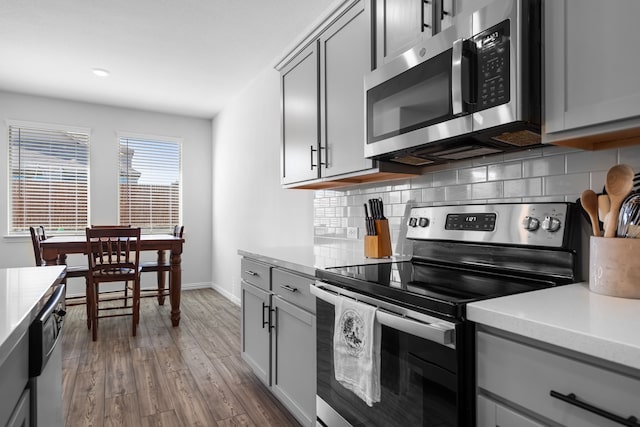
[(546, 174)]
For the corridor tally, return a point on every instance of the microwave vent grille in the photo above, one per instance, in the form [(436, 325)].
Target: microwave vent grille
[(467, 152), (413, 160), (523, 138)]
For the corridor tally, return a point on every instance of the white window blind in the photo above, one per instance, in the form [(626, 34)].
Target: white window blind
[(49, 170), (150, 183)]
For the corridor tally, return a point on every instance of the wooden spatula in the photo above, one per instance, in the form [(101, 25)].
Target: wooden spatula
[(619, 184)]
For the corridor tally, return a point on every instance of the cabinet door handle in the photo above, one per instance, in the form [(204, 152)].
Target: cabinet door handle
[(289, 288), (326, 157), (251, 273), (313, 150), (268, 321), (271, 322), (572, 399), (424, 25), (443, 12)]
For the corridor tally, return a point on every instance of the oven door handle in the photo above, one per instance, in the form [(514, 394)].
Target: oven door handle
[(441, 333), (435, 332)]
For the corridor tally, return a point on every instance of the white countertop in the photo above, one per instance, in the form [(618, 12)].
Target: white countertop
[(571, 317), (306, 259), (21, 292)]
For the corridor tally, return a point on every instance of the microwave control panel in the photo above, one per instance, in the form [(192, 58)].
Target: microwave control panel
[(492, 55)]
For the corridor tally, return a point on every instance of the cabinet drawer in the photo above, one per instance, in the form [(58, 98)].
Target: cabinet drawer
[(294, 289), (256, 273), (526, 375)]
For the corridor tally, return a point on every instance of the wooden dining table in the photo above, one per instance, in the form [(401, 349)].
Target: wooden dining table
[(56, 248)]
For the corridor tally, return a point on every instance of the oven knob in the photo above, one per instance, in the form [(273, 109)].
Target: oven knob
[(423, 222), (551, 224), (413, 222), (530, 223)]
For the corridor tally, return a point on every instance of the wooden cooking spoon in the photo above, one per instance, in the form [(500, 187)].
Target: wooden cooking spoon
[(589, 200), (618, 184)]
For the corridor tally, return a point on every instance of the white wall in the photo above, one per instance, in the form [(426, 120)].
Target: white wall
[(250, 208), (105, 122)]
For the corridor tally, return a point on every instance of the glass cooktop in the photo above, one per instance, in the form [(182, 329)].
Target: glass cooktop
[(431, 287)]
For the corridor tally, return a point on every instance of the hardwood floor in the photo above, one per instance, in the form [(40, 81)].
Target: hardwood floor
[(191, 375)]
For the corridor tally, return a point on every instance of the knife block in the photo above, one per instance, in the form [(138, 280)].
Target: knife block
[(378, 246)]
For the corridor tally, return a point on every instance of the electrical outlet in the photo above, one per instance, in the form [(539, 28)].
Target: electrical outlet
[(352, 232)]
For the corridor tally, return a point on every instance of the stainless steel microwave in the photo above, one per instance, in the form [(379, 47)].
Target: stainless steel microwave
[(473, 89)]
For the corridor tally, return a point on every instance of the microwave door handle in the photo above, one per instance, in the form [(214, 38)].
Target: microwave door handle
[(456, 77)]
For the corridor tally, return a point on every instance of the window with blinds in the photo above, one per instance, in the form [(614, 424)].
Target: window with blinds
[(150, 183), (48, 178)]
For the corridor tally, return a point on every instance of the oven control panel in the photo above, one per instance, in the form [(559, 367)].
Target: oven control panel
[(534, 224)]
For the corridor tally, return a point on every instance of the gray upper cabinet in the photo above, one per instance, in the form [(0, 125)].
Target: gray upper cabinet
[(592, 96), (398, 27), (322, 90), (323, 102), (401, 24), (345, 52), (299, 86)]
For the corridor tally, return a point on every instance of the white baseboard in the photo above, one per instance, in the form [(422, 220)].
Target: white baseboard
[(225, 293), (202, 285)]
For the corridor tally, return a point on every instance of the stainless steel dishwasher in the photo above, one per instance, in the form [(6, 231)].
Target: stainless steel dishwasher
[(45, 361)]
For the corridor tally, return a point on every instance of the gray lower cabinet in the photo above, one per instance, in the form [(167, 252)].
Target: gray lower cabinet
[(522, 382), (20, 416), (294, 359), (256, 340), (14, 396), (591, 76), (492, 414), (279, 335)]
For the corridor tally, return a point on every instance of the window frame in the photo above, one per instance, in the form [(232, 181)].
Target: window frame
[(120, 135), (9, 188)]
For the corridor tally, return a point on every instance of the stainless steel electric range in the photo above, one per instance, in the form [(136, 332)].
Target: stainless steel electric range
[(461, 254)]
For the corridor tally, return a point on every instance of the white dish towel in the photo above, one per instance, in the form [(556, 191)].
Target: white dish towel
[(356, 349)]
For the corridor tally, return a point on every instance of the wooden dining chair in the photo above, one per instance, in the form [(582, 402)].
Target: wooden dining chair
[(161, 268), (113, 255), (38, 234)]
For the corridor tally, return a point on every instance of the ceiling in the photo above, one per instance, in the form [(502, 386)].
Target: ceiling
[(186, 57)]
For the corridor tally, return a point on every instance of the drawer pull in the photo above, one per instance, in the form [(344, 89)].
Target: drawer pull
[(572, 399), (251, 273), (289, 288)]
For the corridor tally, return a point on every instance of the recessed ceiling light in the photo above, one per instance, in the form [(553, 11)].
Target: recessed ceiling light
[(101, 72)]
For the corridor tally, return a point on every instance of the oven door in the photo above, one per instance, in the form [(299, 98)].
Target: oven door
[(419, 367), (418, 97)]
